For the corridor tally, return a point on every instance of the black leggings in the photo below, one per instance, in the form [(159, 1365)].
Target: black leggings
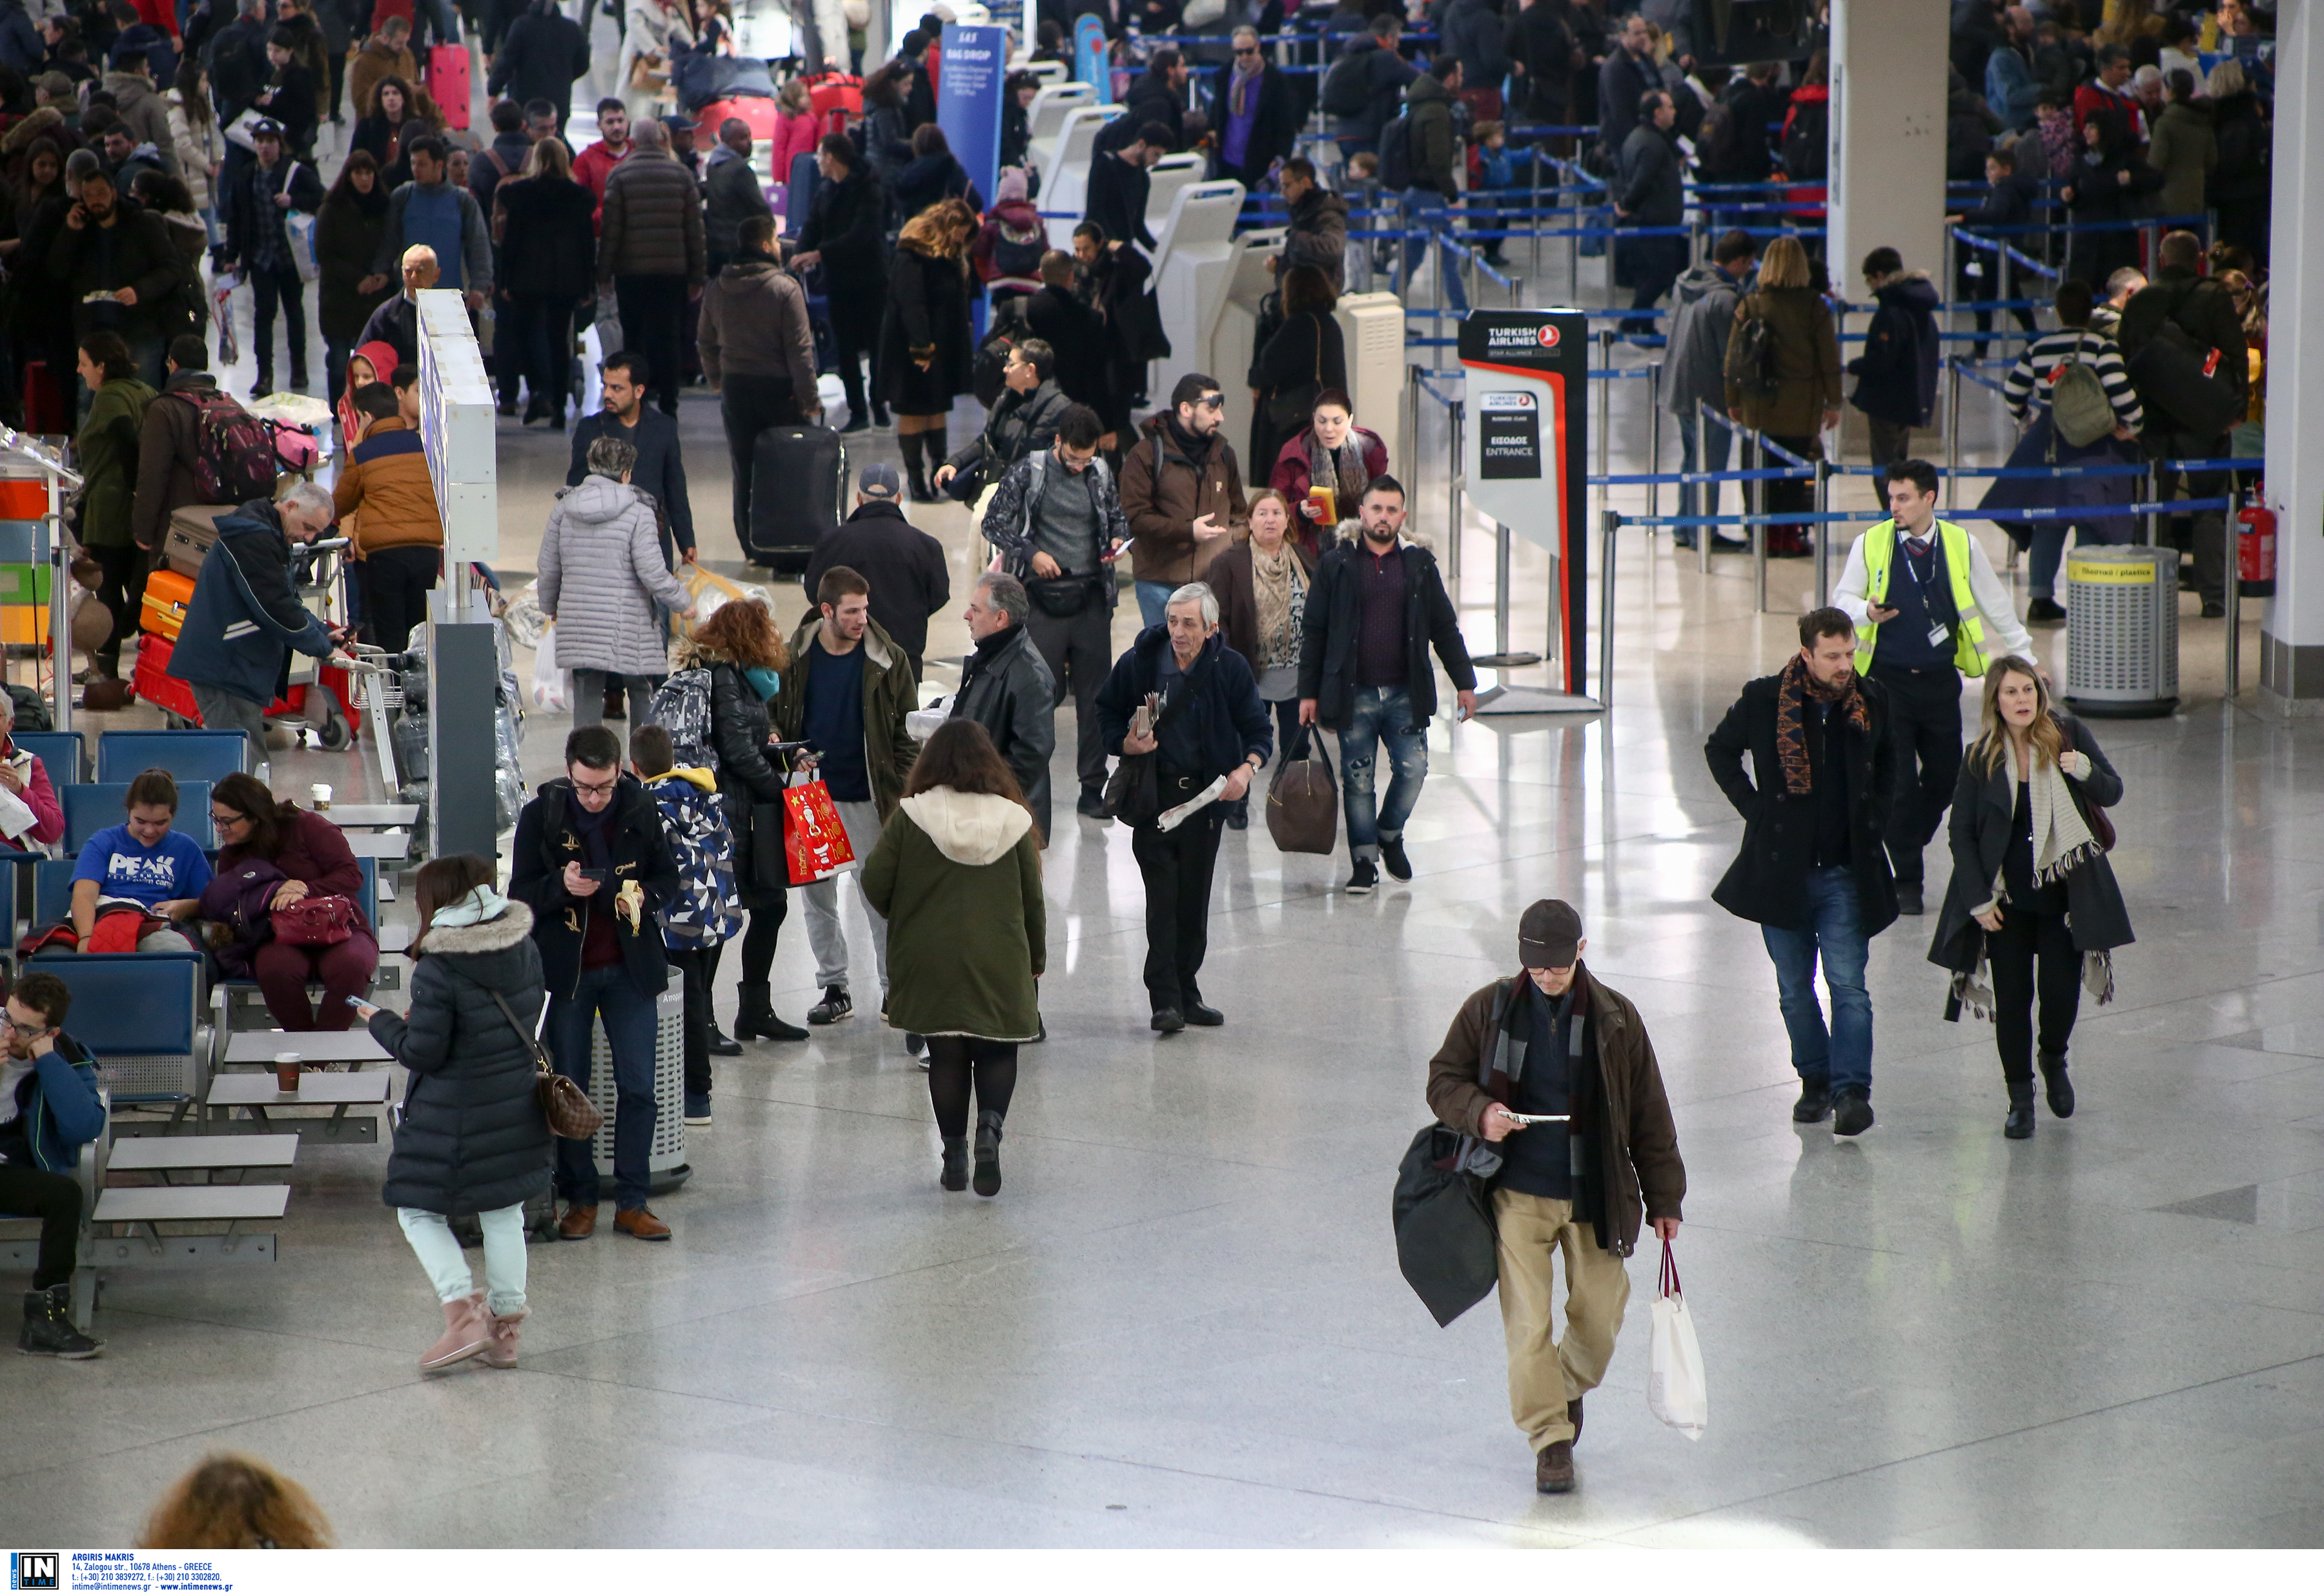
[(2022, 935), (759, 941), (952, 1062)]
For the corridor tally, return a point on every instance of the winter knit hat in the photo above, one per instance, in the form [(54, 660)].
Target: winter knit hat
[(1012, 183)]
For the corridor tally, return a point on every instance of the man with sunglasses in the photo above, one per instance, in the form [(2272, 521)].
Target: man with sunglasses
[(1182, 491), (49, 1109), (1255, 112), (593, 865)]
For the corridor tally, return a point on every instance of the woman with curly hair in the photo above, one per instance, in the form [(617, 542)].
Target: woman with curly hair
[(232, 1502), (925, 349)]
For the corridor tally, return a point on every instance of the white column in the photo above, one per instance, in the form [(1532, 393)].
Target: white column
[(1887, 176), (2292, 628)]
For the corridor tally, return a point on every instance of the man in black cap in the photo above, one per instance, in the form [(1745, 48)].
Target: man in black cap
[(905, 566), (1552, 1077)]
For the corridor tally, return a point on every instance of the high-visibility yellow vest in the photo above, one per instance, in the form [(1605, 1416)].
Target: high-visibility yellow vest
[(1879, 559)]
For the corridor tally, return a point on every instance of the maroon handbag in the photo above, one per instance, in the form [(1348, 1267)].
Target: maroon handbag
[(315, 922)]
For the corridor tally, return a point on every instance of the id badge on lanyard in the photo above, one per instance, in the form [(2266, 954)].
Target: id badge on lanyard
[(1940, 634)]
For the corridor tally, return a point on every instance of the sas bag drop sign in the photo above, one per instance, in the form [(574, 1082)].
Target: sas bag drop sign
[(1510, 441)]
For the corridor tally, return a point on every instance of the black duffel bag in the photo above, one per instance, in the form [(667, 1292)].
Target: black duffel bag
[(1446, 1243)]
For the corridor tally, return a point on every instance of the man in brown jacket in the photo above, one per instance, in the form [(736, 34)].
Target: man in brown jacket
[(1581, 1154), (651, 251), (1182, 493), (386, 53), (167, 443)]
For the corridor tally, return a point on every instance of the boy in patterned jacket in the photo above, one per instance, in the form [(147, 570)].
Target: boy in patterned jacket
[(705, 912)]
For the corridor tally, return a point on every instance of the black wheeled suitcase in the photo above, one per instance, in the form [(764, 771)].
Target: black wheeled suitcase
[(798, 483)]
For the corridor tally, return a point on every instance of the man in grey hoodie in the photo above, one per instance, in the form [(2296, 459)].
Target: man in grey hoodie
[(1695, 365)]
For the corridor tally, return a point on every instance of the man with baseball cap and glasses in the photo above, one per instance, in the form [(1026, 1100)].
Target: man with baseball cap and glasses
[(1552, 1080)]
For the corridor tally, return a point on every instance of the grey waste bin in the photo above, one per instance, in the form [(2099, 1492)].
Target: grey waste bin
[(2123, 655), (666, 1163)]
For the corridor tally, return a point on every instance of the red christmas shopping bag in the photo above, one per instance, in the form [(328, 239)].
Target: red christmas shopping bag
[(813, 837)]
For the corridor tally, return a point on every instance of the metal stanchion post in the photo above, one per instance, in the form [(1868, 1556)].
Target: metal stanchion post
[(1410, 442), (1573, 244), (1755, 501), (1455, 417), (1654, 436), (1823, 533), (2149, 517), (1604, 398), (1503, 543), (1706, 494), (2231, 592), (1611, 523), (1953, 434)]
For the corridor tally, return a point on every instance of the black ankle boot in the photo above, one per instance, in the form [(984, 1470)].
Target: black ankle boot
[(914, 467), (988, 1153), (754, 1015), (955, 1175), (931, 446), (2061, 1089), (2019, 1125)]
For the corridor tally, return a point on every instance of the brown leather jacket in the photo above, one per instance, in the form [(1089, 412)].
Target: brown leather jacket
[(1633, 1143)]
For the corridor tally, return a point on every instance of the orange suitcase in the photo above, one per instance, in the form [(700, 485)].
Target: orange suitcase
[(167, 594)]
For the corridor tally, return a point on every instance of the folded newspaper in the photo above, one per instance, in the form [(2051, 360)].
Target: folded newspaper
[(1170, 819)]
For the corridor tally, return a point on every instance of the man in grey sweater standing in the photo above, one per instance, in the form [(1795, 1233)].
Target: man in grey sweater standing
[(758, 350)]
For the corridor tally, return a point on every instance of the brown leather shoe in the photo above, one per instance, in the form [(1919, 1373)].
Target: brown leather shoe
[(579, 1223), (1552, 1470), (1573, 1417), (640, 1223)]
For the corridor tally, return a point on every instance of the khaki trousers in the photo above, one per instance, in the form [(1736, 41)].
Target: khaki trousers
[(1544, 1374)]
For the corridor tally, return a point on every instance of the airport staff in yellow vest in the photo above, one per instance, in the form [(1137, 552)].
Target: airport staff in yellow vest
[(1929, 610)]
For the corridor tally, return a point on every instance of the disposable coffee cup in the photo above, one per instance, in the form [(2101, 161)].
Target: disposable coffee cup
[(286, 1071), (322, 796)]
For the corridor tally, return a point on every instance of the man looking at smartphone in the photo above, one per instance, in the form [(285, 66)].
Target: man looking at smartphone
[(1551, 1076), (591, 861)]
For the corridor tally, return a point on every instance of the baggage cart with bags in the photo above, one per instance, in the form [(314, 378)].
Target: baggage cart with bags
[(798, 483)]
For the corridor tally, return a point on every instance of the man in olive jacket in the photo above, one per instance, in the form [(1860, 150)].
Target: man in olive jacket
[(1813, 868), (846, 692), (1551, 1041)]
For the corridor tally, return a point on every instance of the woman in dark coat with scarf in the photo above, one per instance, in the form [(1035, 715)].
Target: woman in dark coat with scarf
[(846, 236), (2105, 184), (1306, 354), (347, 231), (2030, 881), (1334, 452), (310, 857), (742, 649), (473, 1139), (926, 345)]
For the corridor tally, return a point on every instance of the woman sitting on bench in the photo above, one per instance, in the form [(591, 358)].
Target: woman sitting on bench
[(141, 864), (305, 858)]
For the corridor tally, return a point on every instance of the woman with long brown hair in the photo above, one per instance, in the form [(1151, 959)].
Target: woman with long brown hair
[(925, 343), (1805, 403), (473, 1139), (2031, 882), (957, 875), (232, 1502), (744, 651), (1262, 585)]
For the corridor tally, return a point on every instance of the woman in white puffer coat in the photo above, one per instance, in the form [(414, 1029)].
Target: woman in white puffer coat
[(601, 575)]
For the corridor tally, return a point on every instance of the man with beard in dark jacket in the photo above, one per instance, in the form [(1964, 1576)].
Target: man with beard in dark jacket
[(109, 247), (1006, 688), (730, 193), (1387, 75), (1648, 192), (1896, 374), (1119, 184), (1812, 870), (904, 565), (541, 57), (1161, 96)]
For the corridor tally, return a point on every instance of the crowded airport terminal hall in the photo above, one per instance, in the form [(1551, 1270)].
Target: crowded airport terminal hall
[(836, 776)]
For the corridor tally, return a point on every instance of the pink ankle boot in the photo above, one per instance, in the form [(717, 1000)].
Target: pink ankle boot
[(502, 1352), (468, 1330)]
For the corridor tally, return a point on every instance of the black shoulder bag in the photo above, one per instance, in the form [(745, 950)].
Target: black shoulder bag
[(1134, 794)]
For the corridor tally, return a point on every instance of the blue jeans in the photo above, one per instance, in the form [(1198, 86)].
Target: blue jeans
[(629, 1028), (1425, 209), (1381, 714), (1154, 601), (1716, 441), (1843, 1057)]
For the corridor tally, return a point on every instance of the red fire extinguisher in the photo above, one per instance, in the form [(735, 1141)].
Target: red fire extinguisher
[(2255, 549)]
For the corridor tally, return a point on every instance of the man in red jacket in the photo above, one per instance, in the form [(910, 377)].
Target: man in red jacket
[(595, 164)]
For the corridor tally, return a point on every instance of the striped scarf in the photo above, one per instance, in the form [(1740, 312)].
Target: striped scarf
[(1791, 690)]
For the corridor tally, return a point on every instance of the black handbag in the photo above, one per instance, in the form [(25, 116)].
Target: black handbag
[(771, 869), (1447, 1244), (1133, 793)]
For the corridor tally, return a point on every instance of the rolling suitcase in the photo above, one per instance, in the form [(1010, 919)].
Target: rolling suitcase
[(798, 483), (193, 528), (167, 594), (448, 80)]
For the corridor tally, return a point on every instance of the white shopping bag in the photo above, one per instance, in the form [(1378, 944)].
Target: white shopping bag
[(552, 688), (1675, 1392)]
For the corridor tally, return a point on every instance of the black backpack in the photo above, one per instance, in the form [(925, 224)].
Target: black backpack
[(1396, 153), (1807, 154), (1750, 360), (1347, 87)]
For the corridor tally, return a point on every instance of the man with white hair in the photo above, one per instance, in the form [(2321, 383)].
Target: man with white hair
[(1183, 695), (396, 323), (235, 648)]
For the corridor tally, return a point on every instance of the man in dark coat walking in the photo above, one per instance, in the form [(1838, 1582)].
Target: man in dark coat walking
[(540, 57), (660, 470), (1648, 192), (1006, 688), (905, 566), (1813, 870)]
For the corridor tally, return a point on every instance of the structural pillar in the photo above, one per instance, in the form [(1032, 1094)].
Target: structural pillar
[(2292, 626), (1888, 172)]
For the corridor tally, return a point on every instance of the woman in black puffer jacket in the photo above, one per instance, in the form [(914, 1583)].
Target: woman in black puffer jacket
[(743, 651), (473, 1139)]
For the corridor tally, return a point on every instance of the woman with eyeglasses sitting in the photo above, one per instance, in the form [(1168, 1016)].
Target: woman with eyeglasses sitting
[(273, 857)]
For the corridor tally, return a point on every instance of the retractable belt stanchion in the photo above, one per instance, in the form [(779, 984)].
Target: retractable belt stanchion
[(1705, 492), (1454, 417), (1654, 436), (1755, 499), (1610, 521), (1823, 533), (2231, 591)]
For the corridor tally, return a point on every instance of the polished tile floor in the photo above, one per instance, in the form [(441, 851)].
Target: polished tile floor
[(1182, 1322)]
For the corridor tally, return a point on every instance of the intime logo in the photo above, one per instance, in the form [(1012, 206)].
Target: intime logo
[(34, 1570)]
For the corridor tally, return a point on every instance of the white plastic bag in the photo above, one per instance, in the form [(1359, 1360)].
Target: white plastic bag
[(922, 722), (1675, 1392), (552, 688)]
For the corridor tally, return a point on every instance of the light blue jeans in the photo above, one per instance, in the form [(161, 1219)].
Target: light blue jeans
[(1154, 601), (1381, 716), (438, 1253), (1841, 1056)]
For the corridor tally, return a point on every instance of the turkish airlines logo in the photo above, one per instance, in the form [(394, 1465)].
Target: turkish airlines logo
[(1549, 337)]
